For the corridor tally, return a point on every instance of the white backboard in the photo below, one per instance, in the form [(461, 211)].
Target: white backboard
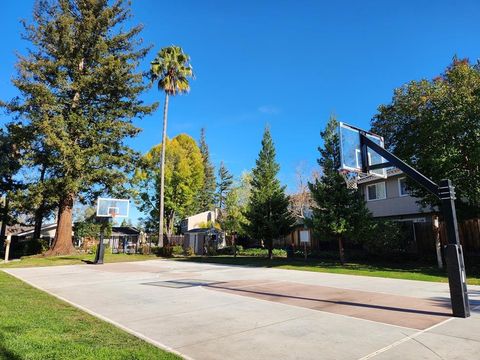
[(351, 159), (115, 208)]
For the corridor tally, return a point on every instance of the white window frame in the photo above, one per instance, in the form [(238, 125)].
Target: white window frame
[(375, 184), (400, 187)]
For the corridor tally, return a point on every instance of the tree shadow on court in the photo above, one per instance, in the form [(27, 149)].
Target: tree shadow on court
[(273, 295), (399, 270)]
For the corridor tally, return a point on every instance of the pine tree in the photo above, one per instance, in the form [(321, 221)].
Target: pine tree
[(10, 164), (225, 181), (339, 211), (80, 91), (268, 210), (206, 198)]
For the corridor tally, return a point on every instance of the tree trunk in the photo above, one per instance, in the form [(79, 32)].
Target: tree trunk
[(3, 229), (270, 249), (234, 240), (39, 212), (341, 251), (37, 231), (62, 244), (162, 172)]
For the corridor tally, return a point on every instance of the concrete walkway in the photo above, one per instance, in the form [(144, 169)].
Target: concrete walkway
[(207, 311)]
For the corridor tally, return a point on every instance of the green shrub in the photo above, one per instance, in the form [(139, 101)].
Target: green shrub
[(388, 237), (258, 252), (177, 250), (211, 251), (165, 251), (189, 251), (279, 253)]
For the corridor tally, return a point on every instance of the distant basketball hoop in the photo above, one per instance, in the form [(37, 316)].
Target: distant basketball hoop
[(112, 208), (107, 209)]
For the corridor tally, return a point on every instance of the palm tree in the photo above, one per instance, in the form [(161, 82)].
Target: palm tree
[(171, 68)]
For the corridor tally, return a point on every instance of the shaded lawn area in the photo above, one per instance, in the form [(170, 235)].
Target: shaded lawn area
[(35, 325), (408, 271), (31, 261)]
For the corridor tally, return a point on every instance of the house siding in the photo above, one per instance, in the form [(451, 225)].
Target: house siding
[(394, 205), (194, 221)]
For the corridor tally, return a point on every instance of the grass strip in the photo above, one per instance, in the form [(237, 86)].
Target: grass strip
[(35, 325)]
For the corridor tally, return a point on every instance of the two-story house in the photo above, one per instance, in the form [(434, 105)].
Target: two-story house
[(390, 198)]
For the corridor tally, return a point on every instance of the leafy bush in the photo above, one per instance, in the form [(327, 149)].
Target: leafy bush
[(189, 251), (165, 251), (211, 251), (228, 250), (388, 237), (258, 252), (93, 249), (177, 250)]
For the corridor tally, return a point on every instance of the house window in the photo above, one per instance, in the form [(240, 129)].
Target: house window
[(402, 187), (376, 191)]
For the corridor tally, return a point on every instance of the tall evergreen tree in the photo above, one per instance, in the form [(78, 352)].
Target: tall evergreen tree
[(339, 211), (206, 199), (80, 90), (225, 181), (268, 211), (10, 164)]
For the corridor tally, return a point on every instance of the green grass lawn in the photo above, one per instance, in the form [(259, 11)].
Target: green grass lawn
[(31, 261), (35, 325), (409, 271)]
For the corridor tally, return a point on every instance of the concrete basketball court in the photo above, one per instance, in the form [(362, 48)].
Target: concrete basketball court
[(207, 311)]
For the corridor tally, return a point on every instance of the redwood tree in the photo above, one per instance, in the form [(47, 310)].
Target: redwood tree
[(79, 91)]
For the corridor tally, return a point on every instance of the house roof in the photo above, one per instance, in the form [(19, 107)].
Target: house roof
[(125, 230), (371, 178), (201, 230), (30, 231)]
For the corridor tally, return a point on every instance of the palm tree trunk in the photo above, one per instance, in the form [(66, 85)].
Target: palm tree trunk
[(341, 251), (162, 172)]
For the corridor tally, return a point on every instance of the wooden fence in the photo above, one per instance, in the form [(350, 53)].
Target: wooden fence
[(176, 240), (468, 230)]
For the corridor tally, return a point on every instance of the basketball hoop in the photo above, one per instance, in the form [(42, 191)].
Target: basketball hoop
[(112, 212), (112, 208), (350, 178)]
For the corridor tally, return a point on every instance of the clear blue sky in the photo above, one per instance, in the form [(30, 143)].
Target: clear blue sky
[(289, 64)]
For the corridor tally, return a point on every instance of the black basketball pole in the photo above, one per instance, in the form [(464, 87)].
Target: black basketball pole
[(99, 255), (445, 192)]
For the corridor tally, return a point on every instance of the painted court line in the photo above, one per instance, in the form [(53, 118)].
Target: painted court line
[(401, 341), (407, 338)]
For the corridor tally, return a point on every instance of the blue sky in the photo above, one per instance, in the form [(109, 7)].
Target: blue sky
[(289, 64)]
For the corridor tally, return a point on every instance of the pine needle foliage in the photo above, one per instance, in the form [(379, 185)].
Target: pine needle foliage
[(206, 198), (339, 212), (268, 213)]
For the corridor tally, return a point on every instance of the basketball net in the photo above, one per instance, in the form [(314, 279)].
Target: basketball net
[(351, 178), (112, 213)]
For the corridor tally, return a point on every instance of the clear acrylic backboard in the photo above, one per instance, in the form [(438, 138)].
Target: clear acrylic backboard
[(108, 207), (350, 154)]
